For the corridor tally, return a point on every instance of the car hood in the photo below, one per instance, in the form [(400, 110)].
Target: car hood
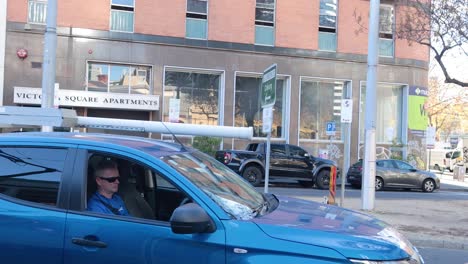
[(326, 161), (353, 234)]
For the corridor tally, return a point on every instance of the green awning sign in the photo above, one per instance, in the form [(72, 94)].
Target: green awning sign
[(268, 91)]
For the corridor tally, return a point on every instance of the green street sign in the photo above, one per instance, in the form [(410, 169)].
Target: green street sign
[(268, 91)]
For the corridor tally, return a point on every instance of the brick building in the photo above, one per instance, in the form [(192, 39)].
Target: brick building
[(207, 57)]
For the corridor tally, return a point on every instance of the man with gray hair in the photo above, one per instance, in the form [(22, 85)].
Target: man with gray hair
[(105, 199)]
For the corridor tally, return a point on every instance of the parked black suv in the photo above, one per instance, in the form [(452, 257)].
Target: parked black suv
[(286, 162)]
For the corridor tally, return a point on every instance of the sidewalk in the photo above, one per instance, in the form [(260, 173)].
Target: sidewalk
[(439, 224)]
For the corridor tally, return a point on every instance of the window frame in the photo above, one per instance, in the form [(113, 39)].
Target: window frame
[(221, 91), (347, 89), (264, 23), (385, 35), (404, 115), (197, 16), (127, 11), (109, 63), (29, 11), (286, 98)]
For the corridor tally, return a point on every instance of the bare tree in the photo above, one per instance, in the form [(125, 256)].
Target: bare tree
[(444, 107), (447, 30), (441, 25)]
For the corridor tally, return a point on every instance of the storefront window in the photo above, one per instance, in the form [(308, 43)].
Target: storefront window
[(388, 117), (320, 103), (118, 78), (191, 97), (248, 110)]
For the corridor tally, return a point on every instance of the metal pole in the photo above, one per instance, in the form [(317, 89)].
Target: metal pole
[(267, 162), (48, 64), (3, 15), (368, 181), (347, 150)]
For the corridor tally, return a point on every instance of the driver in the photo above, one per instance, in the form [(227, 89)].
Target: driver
[(105, 199)]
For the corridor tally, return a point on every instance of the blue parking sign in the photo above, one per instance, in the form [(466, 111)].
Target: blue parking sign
[(331, 128)]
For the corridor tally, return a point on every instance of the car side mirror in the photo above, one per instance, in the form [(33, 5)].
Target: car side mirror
[(413, 170), (191, 219)]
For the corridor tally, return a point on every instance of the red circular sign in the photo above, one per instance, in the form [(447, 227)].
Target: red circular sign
[(22, 53)]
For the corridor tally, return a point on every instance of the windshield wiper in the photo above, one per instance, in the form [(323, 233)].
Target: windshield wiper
[(263, 207)]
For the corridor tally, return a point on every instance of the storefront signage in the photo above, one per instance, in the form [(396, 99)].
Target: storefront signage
[(32, 96)]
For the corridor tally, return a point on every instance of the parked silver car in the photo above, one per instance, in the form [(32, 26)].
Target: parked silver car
[(392, 173)]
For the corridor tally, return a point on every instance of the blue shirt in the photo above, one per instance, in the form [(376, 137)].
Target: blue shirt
[(96, 204)]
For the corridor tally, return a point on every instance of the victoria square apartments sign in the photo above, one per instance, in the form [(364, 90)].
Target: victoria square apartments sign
[(32, 96)]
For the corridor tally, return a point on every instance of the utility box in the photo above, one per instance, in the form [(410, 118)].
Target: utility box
[(459, 172)]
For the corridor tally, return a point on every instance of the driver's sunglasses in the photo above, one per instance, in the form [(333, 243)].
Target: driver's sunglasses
[(110, 179)]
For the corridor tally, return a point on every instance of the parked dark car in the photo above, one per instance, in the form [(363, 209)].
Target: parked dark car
[(184, 206), (286, 162), (392, 173)]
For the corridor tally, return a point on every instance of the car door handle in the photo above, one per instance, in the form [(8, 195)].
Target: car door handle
[(88, 243)]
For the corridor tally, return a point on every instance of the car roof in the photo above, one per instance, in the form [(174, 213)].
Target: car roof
[(153, 146)]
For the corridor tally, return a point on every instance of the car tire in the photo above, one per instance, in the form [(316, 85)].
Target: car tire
[(428, 185), (323, 179), (379, 183), (253, 174)]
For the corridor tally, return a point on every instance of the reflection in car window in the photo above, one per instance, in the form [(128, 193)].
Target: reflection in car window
[(296, 151), (278, 149), (404, 165), (32, 174), (236, 196)]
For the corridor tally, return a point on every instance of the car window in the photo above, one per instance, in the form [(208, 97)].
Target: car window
[(385, 164), (296, 151), (142, 191), (278, 149), (403, 166), (32, 174)]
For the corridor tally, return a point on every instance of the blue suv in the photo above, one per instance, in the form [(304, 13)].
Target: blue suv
[(183, 206)]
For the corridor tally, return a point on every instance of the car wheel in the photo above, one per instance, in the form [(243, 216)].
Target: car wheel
[(323, 179), (306, 184), (378, 183), (428, 185), (253, 174)]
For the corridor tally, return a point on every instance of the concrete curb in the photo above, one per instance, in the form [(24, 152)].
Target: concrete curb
[(436, 243)]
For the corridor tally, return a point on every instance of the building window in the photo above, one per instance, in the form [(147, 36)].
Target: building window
[(122, 12), (248, 109), (386, 31), (388, 119), (327, 25), (118, 78), (265, 22), (37, 10), (320, 103), (196, 21), (192, 97)]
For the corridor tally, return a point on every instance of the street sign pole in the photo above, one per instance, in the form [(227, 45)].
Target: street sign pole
[(268, 99)]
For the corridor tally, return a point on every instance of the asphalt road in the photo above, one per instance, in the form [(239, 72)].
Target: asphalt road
[(443, 255), (293, 189)]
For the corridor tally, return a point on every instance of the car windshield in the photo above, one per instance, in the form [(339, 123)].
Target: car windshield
[(236, 196)]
